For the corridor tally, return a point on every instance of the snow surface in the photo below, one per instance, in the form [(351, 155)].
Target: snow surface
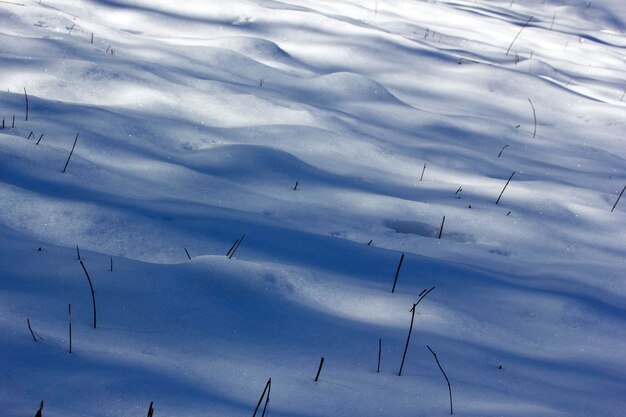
[(196, 119)]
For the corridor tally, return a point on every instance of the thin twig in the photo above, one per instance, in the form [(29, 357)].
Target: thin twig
[(408, 338), (441, 229), (31, 330), (380, 348), (93, 293), (534, 117), (40, 409), (620, 196), (518, 33), (319, 370), (423, 294), (26, 99), (237, 246), (505, 185), (267, 398), (444, 375), (262, 396), (232, 247), (395, 280), (71, 152)]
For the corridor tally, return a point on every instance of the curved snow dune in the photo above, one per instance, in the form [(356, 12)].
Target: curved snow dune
[(334, 135), (204, 334)]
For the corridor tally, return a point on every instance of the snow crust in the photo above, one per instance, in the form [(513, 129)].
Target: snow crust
[(196, 120)]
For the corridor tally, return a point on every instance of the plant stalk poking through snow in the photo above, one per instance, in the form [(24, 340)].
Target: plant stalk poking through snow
[(236, 246), (78, 252), (441, 228), (40, 409), (444, 375), (395, 280), (31, 330), (69, 311), (505, 185), (111, 264), (501, 150), (380, 348), (518, 33), (534, 117), (267, 398), (423, 169), (406, 347), (620, 196), (187, 252), (26, 100), (71, 152), (408, 339), (93, 293), (39, 140), (232, 247), (267, 385), (150, 409), (319, 369)]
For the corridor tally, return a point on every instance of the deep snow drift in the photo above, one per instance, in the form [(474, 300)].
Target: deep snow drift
[(336, 135)]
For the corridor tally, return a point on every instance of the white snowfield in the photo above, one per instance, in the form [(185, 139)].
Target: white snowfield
[(333, 136)]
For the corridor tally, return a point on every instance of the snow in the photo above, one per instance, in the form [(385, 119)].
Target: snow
[(195, 121)]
